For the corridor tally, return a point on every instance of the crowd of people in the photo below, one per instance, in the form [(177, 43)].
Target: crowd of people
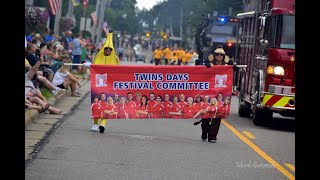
[(45, 67), (172, 55)]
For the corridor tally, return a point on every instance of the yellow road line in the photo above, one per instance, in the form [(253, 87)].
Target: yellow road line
[(258, 150), (291, 167), (249, 135)]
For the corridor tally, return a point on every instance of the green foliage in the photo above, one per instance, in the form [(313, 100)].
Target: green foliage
[(46, 93)]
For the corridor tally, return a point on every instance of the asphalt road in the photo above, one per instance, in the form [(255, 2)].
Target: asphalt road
[(163, 149)]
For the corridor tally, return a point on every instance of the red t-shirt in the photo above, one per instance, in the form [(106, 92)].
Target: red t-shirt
[(182, 104), (143, 108), (220, 103), (151, 103), (189, 111), (202, 107), (223, 111), (95, 111), (158, 111), (111, 107), (175, 107), (138, 102), (212, 110), (131, 109), (166, 105), (103, 106), (122, 110)]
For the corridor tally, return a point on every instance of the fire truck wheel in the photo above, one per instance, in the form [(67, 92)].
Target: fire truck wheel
[(262, 116)]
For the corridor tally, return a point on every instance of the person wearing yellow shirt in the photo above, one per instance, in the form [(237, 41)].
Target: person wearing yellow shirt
[(167, 54), (175, 57), (184, 57), (105, 56), (189, 56), (157, 55)]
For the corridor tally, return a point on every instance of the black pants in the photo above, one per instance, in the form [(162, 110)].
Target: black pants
[(157, 61), (214, 128), (210, 131)]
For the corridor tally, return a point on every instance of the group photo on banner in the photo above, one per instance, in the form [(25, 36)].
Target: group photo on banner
[(150, 92)]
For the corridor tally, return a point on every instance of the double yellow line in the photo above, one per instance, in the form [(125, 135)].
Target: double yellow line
[(258, 150)]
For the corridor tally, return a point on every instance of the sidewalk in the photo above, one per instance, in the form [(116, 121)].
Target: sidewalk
[(39, 125)]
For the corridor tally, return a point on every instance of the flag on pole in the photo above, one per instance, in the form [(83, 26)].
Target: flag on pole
[(54, 6), (85, 3), (94, 18), (76, 2)]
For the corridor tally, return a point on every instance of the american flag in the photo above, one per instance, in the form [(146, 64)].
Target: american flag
[(85, 3), (54, 6), (94, 18)]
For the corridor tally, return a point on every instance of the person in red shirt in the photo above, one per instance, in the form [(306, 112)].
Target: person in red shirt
[(190, 109), (111, 109), (198, 101), (158, 108), (116, 99), (103, 105), (142, 108), (175, 109), (138, 98), (219, 99), (166, 103), (95, 112), (205, 118), (151, 103), (221, 112), (182, 102), (122, 109), (131, 106)]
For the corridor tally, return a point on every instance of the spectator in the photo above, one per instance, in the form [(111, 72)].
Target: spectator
[(33, 59), (34, 96), (64, 79), (35, 77), (76, 45)]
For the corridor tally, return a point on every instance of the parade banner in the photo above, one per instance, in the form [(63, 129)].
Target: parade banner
[(148, 92)]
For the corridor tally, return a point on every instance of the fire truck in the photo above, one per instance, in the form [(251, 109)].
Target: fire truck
[(266, 45)]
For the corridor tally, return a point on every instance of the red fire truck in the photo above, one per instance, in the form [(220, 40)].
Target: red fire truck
[(266, 45)]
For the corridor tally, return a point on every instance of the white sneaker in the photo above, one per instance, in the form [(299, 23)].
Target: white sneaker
[(57, 92), (94, 128)]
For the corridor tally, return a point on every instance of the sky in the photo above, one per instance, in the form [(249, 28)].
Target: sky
[(147, 4)]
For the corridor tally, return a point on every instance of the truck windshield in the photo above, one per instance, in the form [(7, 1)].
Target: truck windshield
[(285, 32), (225, 29)]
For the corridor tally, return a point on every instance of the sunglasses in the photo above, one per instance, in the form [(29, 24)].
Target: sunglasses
[(110, 49), (218, 54)]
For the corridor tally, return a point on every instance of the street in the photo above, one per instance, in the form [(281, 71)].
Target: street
[(164, 149)]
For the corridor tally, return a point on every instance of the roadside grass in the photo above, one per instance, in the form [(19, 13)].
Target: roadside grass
[(46, 93)]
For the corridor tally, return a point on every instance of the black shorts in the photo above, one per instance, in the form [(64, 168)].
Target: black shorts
[(61, 86)]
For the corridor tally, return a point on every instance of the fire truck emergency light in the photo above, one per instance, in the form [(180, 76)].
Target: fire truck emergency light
[(229, 44)]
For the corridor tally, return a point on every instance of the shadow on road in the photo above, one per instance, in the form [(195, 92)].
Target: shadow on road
[(282, 124)]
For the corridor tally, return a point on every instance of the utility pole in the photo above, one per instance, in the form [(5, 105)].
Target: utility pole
[(70, 9), (181, 15), (95, 28), (100, 19), (85, 20), (57, 19)]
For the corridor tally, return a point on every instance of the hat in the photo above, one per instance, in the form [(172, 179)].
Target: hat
[(219, 50)]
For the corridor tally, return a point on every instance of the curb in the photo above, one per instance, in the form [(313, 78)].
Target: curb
[(34, 114)]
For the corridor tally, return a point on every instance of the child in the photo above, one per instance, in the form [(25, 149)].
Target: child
[(95, 112)]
